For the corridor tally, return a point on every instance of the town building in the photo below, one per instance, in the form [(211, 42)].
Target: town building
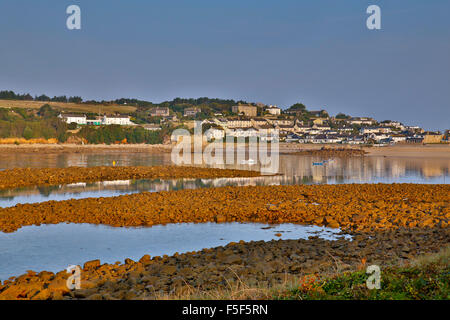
[(249, 111), (98, 121), (117, 119), (191, 112), (214, 134), (73, 118), (432, 137), (274, 110), (159, 112), (362, 121), (152, 127)]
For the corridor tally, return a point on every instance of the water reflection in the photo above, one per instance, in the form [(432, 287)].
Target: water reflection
[(356, 168), (295, 169), (54, 247)]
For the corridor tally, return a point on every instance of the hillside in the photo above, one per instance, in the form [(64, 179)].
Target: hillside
[(68, 106)]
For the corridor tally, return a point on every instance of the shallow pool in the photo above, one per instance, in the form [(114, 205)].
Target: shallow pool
[(54, 247)]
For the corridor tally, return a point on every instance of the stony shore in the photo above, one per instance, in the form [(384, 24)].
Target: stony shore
[(262, 264), (361, 207), (434, 151), (331, 152), (21, 177), (89, 148)]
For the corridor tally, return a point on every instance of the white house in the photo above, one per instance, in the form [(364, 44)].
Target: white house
[(398, 138), (361, 121), (274, 110), (73, 118), (369, 130), (120, 120)]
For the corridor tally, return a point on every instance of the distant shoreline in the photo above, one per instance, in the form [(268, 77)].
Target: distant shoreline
[(399, 150)]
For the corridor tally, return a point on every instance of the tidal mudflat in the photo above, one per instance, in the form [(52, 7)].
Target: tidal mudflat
[(20, 177), (355, 207)]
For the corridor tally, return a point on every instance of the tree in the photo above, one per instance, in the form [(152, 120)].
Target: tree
[(46, 111), (297, 107), (341, 115), (42, 97), (75, 99), (27, 133)]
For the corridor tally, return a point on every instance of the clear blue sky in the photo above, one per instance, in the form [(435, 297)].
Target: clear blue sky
[(318, 52)]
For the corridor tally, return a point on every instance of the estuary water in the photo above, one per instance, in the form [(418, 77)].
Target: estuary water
[(54, 247)]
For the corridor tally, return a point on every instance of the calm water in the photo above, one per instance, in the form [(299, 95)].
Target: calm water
[(295, 169), (54, 247)]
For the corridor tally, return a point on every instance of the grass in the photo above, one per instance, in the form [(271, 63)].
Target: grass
[(424, 278), (67, 107)]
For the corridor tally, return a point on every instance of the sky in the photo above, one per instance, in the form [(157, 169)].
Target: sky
[(318, 52)]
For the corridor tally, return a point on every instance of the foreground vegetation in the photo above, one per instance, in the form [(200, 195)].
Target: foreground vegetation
[(424, 278)]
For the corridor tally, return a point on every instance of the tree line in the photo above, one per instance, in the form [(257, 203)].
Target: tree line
[(11, 95)]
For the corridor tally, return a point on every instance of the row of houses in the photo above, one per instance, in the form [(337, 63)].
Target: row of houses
[(243, 110), (290, 130), (105, 120), (380, 139)]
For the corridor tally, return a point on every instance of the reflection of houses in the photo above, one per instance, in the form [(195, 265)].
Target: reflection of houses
[(76, 185), (117, 183)]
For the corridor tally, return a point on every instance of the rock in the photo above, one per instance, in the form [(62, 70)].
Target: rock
[(95, 296), (220, 218), (46, 275), (233, 259), (146, 259), (91, 265), (45, 294), (168, 270)]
